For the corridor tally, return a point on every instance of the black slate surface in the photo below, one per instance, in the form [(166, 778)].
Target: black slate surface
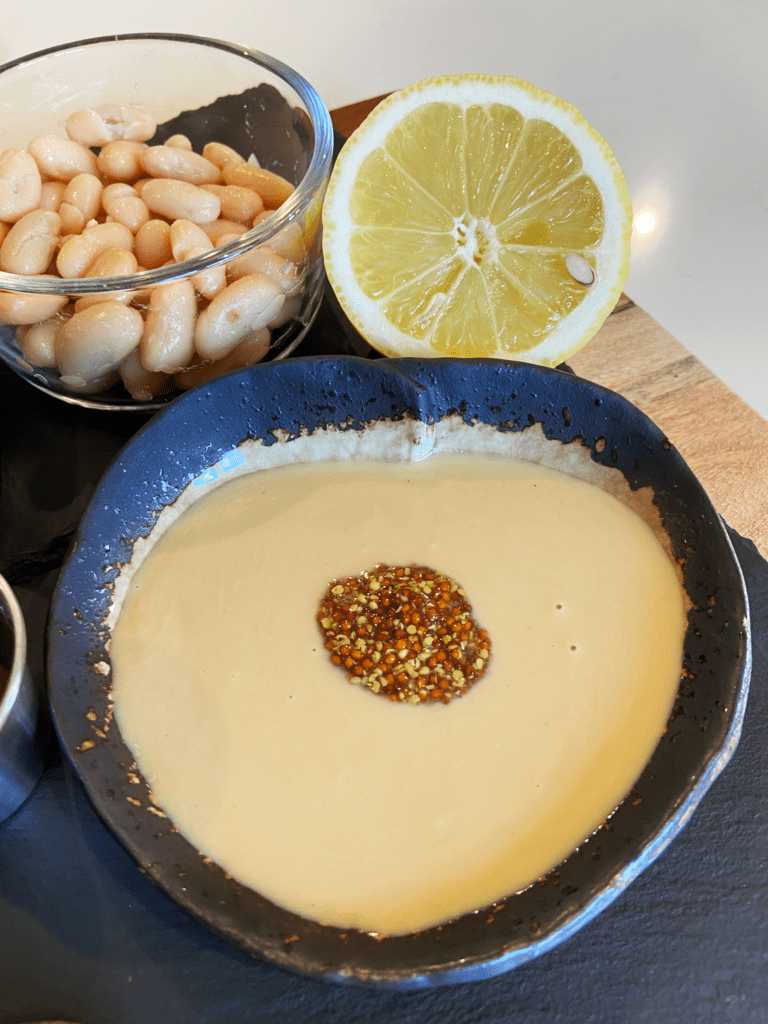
[(84, 936)]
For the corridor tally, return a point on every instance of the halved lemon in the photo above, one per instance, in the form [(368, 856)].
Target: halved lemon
[(477, 215)]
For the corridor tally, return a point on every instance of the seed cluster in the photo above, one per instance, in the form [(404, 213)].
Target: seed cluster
[(405, 632)]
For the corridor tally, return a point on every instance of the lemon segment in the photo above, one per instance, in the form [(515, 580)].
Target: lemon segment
[(454, 215), (386, 196)]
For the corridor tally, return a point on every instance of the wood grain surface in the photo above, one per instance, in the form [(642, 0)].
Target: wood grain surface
[(723, 440)]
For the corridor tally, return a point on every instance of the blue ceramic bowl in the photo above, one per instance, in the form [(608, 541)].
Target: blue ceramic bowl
[(201, 438)]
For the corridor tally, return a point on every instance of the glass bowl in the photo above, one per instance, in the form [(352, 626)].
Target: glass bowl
[(198, 91)]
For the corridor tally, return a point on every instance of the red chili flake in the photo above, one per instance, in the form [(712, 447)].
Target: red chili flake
[(412, 625)]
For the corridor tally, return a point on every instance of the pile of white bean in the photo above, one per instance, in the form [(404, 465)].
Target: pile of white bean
[(68, 212)]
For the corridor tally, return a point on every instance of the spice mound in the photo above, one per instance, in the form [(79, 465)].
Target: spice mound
[(404, 632)]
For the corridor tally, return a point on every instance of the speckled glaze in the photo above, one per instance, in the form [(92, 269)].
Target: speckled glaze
[(284, 403)]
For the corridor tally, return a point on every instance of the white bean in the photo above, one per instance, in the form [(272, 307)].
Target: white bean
[(250, 350), (264, 261), (102, 125), (210, 282), (188, 240), (63, 239), (222, 230), (220, 154), (61, 158), (243, 307), (178, 200), (138, 125), (186, 235), (131, 211), (116, 190), (152, 244), (72, 219), (119, 161), (290, 311), (112, 262), (237, 203), (20, 184), (273, 189), (184, 165), (121, 202), (178, 142), (288, 241), (76, 255), (37, 342), (29, 246), (167, 344), (51, 195), (20, 308), (85, 192), (96, 340), (89, 128), (141, 384), (90, 387)]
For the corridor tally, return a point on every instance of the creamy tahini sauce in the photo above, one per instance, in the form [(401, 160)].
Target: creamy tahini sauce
[(337, 803)]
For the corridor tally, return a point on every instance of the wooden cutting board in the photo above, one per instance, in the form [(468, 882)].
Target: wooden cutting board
[(723, 440)]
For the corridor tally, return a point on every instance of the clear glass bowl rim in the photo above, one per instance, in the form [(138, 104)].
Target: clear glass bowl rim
[(317, 172)]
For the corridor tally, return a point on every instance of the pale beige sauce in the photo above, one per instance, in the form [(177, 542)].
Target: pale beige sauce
[(345, 807)]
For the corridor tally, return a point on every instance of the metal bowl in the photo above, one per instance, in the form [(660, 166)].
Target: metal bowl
[(202, 437)]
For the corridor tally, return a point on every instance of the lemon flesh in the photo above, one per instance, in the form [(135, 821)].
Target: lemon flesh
[(454, 217)]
